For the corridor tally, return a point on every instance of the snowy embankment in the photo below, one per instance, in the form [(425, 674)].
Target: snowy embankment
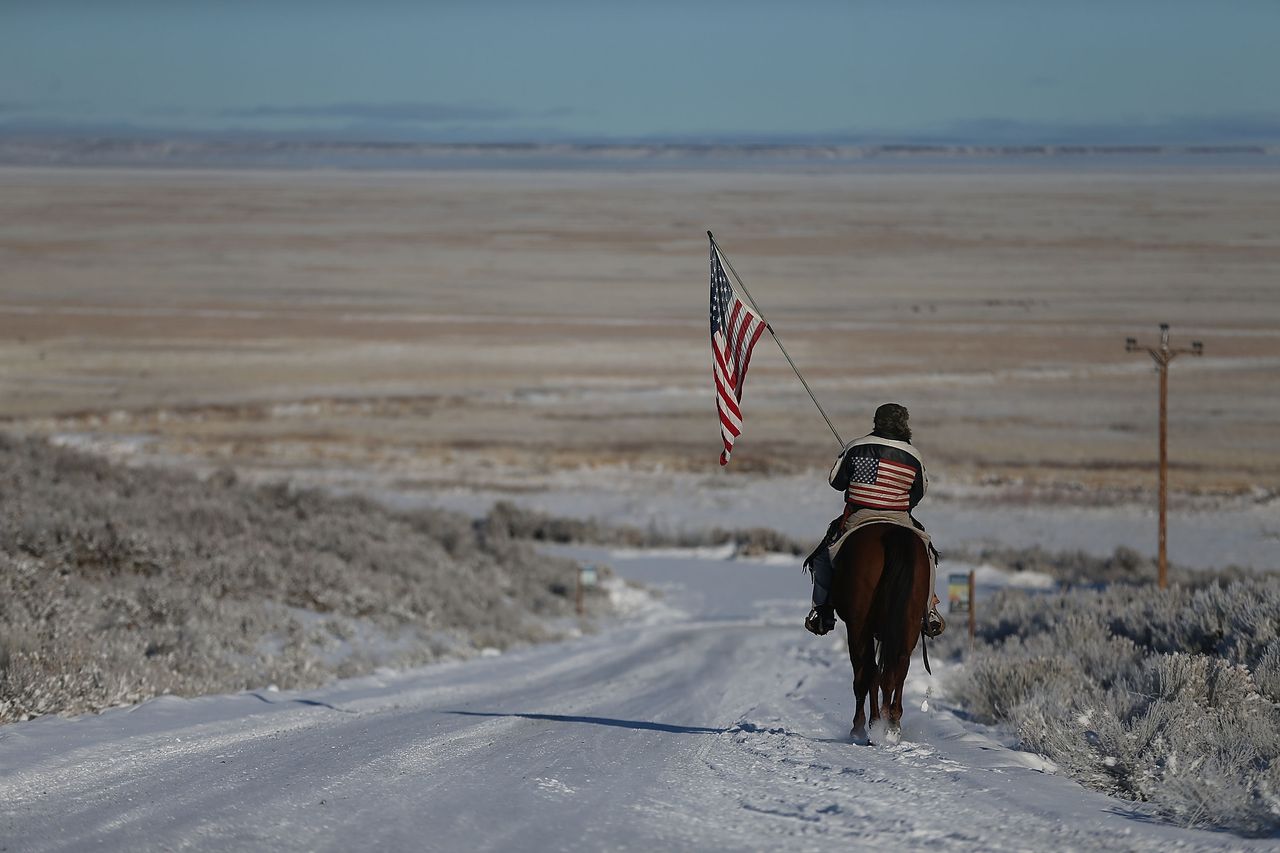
[(708, 721)]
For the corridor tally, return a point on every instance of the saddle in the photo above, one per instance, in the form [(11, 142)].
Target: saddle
[(838, 528)]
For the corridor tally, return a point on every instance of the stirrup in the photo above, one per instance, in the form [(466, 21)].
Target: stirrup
[(934, 624), (820, 620)]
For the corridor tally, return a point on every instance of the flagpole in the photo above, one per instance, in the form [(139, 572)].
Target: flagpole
[(776, 339)]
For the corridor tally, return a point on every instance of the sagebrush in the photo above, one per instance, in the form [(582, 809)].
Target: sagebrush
[(118, 584), (1170, 697)]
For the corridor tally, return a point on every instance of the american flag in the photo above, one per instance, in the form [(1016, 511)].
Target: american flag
[(734, 331), (881, 484)]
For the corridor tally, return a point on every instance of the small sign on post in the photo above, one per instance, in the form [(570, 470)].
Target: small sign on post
[(960, 599), (973, 609), (958, 593), (587, 576)]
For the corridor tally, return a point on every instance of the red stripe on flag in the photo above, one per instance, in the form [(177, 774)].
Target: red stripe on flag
[(755, 336), (724, 366), (726, 398), (725, 423), (737, 345)]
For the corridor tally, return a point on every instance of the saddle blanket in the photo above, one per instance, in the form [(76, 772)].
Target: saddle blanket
[(863, 517)]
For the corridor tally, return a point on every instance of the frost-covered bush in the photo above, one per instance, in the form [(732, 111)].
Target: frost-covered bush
[(118, 584), (1266, 674), (522, 523), (1171, 697), (1123, 566)]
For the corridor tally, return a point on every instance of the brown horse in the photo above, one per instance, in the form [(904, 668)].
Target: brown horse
[(879, 590)]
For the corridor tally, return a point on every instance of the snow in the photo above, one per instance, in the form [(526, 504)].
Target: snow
[(708, 720)]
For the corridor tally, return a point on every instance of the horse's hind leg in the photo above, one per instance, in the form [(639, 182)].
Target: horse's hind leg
[(866, 687), (863, 683), (894, 680), (874, 678), (858, 732)]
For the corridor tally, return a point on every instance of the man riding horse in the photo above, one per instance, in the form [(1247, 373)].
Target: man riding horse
[(883, 479)]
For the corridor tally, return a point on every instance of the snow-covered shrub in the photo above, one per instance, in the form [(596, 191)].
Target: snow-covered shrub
[(522, 523), (1266, 674), (1168, 697), (1123, 566), (119, 584), (997, 686)]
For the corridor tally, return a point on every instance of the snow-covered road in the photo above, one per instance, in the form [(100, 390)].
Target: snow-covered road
[(713, 724)]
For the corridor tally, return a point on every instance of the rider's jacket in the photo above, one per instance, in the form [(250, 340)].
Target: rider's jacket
[(879, 473)]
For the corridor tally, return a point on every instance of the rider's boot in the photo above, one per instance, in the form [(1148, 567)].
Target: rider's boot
[(933, 621), (821, 619)]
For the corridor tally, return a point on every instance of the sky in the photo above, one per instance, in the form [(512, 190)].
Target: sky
[(814, 72)]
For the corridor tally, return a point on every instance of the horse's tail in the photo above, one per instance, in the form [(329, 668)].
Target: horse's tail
[(893, 594)]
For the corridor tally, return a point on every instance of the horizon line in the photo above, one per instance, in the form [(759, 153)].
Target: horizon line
[(906, 144)]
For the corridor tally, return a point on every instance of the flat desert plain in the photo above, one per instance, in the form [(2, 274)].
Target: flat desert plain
[(445, 328)]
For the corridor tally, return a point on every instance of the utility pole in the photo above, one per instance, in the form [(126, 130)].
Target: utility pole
[(1162, 355)]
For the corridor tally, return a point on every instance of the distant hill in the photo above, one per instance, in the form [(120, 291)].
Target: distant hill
[(304, 154)]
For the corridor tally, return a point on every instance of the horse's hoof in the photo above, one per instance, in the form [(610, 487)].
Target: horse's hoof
[(860, 737), (893, 735)]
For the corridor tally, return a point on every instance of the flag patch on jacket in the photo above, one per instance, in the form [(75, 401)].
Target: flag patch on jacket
[(881, 484)]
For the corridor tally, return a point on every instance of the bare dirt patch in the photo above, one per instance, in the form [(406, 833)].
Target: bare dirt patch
[(537, 319)]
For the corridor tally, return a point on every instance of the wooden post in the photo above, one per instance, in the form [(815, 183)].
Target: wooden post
[(578, 590), (1164, 473)]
